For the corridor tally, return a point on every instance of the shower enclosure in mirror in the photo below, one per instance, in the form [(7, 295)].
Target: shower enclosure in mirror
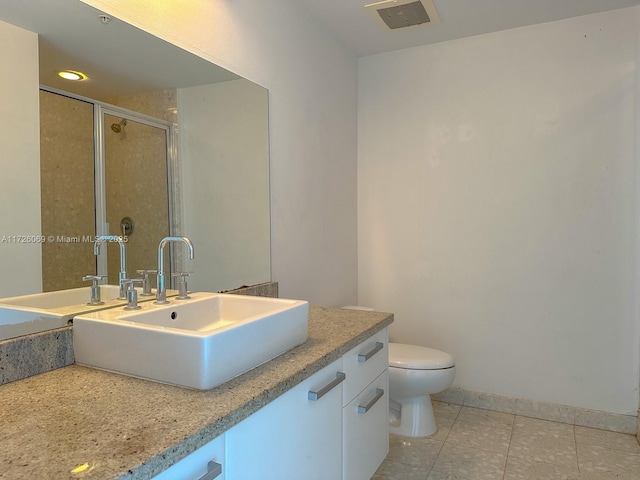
[(120, 163), (142, 85)]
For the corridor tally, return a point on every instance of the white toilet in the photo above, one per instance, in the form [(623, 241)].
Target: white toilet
[(415, 373)]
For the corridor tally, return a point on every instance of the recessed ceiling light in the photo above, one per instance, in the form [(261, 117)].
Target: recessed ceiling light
[(72, 75)]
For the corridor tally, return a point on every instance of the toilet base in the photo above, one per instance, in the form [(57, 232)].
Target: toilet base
[(416, 418)]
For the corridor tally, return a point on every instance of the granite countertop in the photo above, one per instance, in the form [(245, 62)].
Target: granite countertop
[(129, 428)]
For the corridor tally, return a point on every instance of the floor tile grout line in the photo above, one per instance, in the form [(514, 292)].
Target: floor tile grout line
[(430, 469), (506, 460), (575, 441), (443, 443)]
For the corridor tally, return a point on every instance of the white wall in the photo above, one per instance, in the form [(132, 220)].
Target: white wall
[(21, 263), (224, 142), (497, 206), (312, 82)]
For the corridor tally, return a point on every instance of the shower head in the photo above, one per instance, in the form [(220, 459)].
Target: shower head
[(117, 127)]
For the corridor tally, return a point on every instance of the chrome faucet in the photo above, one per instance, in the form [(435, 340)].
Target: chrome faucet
[(122, 276), (132, 294), (94, 291), (161, 291)]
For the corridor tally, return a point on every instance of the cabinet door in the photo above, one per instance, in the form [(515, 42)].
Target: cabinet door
[(366, 430), (293, 437), (196, 465)]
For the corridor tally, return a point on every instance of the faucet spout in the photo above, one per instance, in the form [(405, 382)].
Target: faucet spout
[(122, 275), (161, 291)]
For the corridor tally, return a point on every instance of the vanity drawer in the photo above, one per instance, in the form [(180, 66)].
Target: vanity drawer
[(364, 363), (366, 430)]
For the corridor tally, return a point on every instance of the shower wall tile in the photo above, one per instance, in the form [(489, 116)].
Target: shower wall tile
[(67, 191), (162, 104)]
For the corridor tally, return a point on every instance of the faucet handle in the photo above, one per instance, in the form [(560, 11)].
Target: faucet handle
[(94, 278), (94, 292), (146, 284), (132, 294), (182, 285)]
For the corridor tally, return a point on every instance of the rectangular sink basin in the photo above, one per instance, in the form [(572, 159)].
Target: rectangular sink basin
[(37, 312), (197, 343), (61, 299)]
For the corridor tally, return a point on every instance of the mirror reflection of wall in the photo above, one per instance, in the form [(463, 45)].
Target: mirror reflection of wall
[(224, 141), (21, 263)]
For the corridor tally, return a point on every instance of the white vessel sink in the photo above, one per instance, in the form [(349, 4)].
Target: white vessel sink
[(37, 312), (197, 343)]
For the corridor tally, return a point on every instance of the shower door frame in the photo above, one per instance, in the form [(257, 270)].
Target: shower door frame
[(100, 109), (102, 227)]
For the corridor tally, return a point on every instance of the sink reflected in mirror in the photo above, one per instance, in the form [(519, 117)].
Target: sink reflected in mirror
[(27, 314), (197, 343)]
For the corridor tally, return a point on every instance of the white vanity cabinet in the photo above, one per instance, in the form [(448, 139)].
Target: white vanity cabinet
[(298, 435), (366, 408), (206, 463), (332, 426)]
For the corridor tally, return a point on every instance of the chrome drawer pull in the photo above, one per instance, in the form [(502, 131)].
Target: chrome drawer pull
[(213, 470), (367, 407), (328, 387), (363, 357)]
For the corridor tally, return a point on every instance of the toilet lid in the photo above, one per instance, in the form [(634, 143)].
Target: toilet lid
[(418, 358)]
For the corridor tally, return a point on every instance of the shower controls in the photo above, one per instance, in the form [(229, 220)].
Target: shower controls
[(126, 226)]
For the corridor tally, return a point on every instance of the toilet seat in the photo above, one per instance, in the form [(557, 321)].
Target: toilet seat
[(415, 357)]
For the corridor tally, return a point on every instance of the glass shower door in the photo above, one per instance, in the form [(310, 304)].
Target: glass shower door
[(135, 192)]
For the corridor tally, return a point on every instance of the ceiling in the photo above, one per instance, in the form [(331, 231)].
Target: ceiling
[(357, 30), (121, 59), (118, 58)]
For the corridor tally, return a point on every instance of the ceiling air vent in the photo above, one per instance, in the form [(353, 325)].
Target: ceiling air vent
[(393, 14)]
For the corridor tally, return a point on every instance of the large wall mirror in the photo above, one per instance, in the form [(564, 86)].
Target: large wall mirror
[(155, 139)]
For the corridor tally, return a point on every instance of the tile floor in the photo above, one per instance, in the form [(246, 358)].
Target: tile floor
[(477, 444)]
